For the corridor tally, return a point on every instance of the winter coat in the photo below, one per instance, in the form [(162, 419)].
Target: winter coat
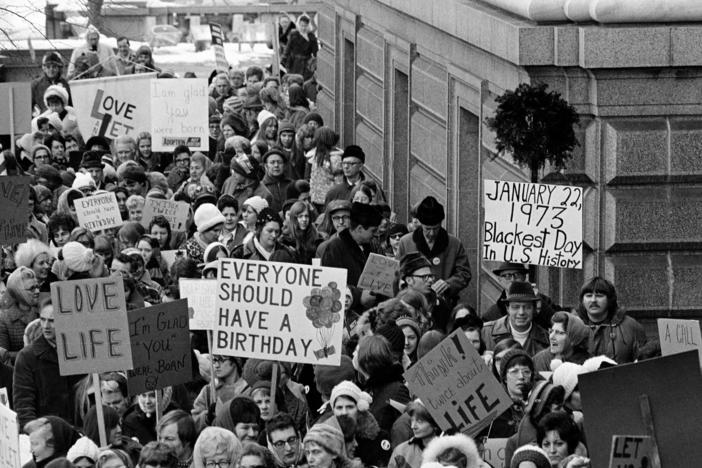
[(241, 194), (38, 388), (448, 258), (407, 455), (460, 442), (497, 330), (383, 387), (373, 442), (344, 252), (278, 187), (135, 423), (619, 337), (224, 393), (39, 87), (248, 251), (13, 321), (298, 52), (542, 359)]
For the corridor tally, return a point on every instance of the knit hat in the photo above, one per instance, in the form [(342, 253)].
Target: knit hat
[(504, 266), (236, 122), (67, 178), (92, 160), (566, 375), (510, 356), (272, 151), (327, 377), (52, 57), (257, 203), (338, 205), (207, 216), (365, 215), (244, 410), (84, 447), (135, 173), (407, 321), (50, 173), (263, 116), (597, 363), (411, 262), (354, 151), (349, 389), (313, 116), (394, 335), (246, 166), (329, 437), (77, 257), (83, 179), (233, 104), (430, 212), (530, 453), (521, 291), (285, 126), (543, 393), (428, 341), (58, 91)]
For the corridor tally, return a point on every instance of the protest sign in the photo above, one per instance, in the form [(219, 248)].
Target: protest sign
[(279, 311), (175, 212), (170, 256), (379, 274), (179, 114), (611, 399), (457, 387), (160, 341), (9, 438), (201, 295), (115, 105), (494, 452), (98, 212), (218, 47), (14, 209), (538, 224), (630, 452), (16, 103), (92, 332), (677, 336)]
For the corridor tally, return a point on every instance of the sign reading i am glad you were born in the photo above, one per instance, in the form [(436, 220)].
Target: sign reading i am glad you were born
[(92, 331), (538, 224), (14, 208), (280, 311), (179, 114), (457, 387), (98, 212)]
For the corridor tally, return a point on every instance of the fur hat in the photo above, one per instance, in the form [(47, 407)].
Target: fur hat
[(327, 377), (313, 116), (97, 140), (566, 375), (58, 91), (77, 257), (244, 410), (530, 453), (263, 116), (50, 173), (354, 151), (83, 179), (460, 442), (207, 216), (349, 389), (92, 159), (329, 437), (365, 215), (430, 212), (84, 447), (28, 251), (521, 291), (411, 262)]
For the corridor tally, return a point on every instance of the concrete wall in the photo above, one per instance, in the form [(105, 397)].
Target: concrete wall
[(410, 81)]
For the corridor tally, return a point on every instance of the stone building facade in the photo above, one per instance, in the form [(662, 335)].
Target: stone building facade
[(411, 81)]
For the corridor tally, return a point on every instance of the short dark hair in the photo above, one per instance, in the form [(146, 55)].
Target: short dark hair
[(227, 201), (127, 260), (122, 38), (60, 220), (561, 423), (186, 426), (599, 285), (181, 149), (278, 422), (254, 71), (119, 378)]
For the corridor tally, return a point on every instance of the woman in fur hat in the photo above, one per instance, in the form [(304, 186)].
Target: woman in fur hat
[(457, 450)]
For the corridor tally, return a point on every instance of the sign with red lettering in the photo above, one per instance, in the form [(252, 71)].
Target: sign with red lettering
[(280, 311), (14, 208), (379, 274), (457, 387), (160, 340), (92, 332), (630, 452), (678, 336)]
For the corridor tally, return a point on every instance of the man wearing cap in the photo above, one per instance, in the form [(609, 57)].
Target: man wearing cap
[(445, 252), (351, 248), (135, 181), (352, 161), (276, 180), (92, 46), (519, 323), (244, 182), (340, 215), (51, 66), (507, 273), (93, 165), (416, 273)]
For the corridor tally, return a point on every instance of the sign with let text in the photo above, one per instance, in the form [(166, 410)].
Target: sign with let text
[(457, 387), (14, 208), (538, 224), (92, 332), (678, 336), (98, 212), (280, 311), (379, 274), (179, 114), (630, 451)]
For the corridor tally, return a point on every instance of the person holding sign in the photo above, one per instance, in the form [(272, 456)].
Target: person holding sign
[(228, 384)]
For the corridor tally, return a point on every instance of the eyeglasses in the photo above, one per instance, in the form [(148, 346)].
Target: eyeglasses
[(427, 277), (282, 443), (513, 276), (218, 464), (340, 218), (219, 360), (396, 236), (183, 161), (515, 371), (557, 332), (36, 287)]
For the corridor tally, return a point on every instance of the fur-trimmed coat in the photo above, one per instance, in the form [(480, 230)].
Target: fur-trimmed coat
[(460, 442)]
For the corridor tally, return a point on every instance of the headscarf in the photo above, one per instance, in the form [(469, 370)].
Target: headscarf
[(18, 283)]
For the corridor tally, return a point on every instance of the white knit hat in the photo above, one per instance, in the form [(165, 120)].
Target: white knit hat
[(56, 90), (84, 447), (566, 375), (351, 390), (595, 363), (257, 203), (207, 216), (77, 257), (83, 179)]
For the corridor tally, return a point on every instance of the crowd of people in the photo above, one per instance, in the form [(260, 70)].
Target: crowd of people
[(275, 186)]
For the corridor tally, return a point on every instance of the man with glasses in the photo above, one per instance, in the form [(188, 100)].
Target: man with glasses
[(276, 180), (519, 322), (284, 441), (352, 161), (179, 171), (340, 215), (507, 273), (51, 66), (228, 384)]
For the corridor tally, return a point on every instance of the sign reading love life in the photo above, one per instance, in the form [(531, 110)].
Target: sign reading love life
[(538, 224), (280, 311)]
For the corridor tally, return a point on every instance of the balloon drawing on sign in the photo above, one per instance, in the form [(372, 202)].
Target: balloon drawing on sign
[(323, 307)]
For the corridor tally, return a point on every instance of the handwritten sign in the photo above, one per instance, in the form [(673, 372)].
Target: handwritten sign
[(379, 274), (677, 336), (14, 209), (538, 224), (630, 452), (281, 311), (9, 438), (92, 333), (494, 452), (175, 212), (17, 96), (457, 387), (202, 296), (160, 341), (98, 212), (179, 114), (114, 106), (218, 47)]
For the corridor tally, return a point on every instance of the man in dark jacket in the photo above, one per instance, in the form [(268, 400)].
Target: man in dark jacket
[(51, 66), (275, 161), (351, 249), (38, 387)]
